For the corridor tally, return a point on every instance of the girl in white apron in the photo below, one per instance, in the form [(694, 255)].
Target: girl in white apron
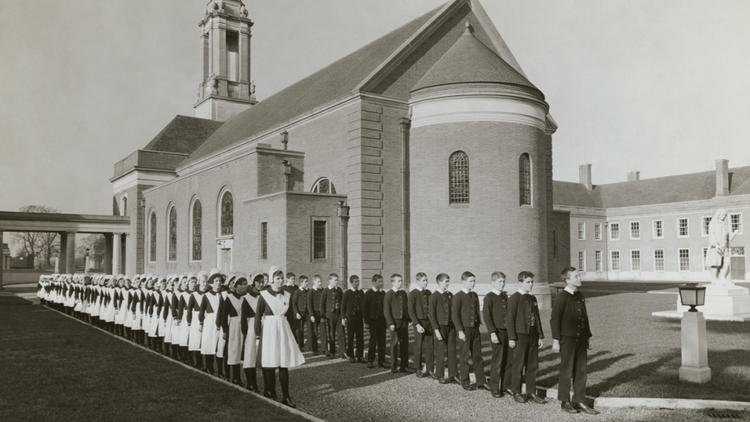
[(194, 325), (184, 316), (278, 347), (123, 305), (136, 306), (95, 301), (147, 287), (157, 301), (165, 319), (221, 347), (247, 314), (209, 321), (176, 317), (108, 307), (232, 323)]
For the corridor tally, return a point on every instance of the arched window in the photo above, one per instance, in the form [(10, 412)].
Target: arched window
[(124, 206), (524, 179), (172, 235), (324, 185), (458, 178), (152, 238), (227, 214), (196, 236)]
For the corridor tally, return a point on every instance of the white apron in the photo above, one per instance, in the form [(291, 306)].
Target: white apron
[(209, 335), (234, 336), (165, 324), (194, 339), (96, 303), (279, 349), (145, 316), (123, 310), (222, 341), (108, 314), (153, 326), (184, 331), (251, 348)]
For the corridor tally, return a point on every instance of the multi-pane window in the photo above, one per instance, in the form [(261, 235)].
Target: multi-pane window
[(152, 238), (705, 224), (582, 260), (597, 231), (682, 227), (635, 230), (635, 260), (598, 260), (196, 235), (458, 178), (684, 259), (319, 239), (735, 220), (658, 229), (227, 214), (264, 240), (614, 231), (172, 235), (524, 179), (581, 231), (324, 185), (658, 259), (614, 258)]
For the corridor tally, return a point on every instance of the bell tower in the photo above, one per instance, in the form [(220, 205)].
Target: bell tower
[(226, 88)]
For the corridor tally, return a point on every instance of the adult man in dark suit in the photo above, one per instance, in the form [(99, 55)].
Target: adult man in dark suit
[(419, 303), (353, 319), (525, 336), (465, 314), (373, 303), (315, 312), (495, 308), (445, 332), (331, 302), (299, 308), (571, 334), (395, 309)]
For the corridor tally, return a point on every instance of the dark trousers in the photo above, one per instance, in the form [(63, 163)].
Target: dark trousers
[(400, 345), (574, 356), (446, 346), (298, 329), (294, 326), (376, 342), (501, 369), (333, 327), (472, 346), (314, 329), (355, 329), (526, 356), (423, 347)]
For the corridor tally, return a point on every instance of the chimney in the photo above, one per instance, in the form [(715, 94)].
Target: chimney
[(633, 176), (584, 175), (722, 177)]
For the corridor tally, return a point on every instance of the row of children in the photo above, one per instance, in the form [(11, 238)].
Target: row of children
[(196, 318)]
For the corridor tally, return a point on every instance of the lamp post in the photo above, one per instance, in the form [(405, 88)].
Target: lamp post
[(694, 367)]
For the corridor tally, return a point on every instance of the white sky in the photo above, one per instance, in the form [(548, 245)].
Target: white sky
[(652, 85)]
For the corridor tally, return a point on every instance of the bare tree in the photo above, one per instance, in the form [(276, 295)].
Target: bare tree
[(39, 244)]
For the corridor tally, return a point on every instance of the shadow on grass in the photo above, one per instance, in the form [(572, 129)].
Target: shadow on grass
[(549, 376)]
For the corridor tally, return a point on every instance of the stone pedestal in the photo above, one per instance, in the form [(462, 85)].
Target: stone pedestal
[(725, 301), (694, 349)]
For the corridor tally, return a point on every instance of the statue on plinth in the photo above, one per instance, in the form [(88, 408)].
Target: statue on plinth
[(718, 254)]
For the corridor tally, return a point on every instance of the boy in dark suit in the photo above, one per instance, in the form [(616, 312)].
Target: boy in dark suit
[(353, 319), (290, 286), (465, 314), (331, 302), (445, 333), (373, 304), (315, 312), (395, 309), (525, 337), (299, 309), (495, 307), (571, 334), (419, 303)]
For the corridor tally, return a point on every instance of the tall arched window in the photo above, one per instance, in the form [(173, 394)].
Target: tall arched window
[(524, 179), (324, 185), (458, 178), (152, 238), (227, 214), (196, 236), (172, 235)]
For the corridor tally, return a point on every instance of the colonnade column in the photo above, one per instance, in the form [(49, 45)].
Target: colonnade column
[(343, 247), (108, 247), (116, 246), (70, 252)]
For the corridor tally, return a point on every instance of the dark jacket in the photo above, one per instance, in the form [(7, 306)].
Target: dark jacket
[(522, 309), (395, 307), (569, 316), (299, 302), (352, 304), (440, 309), (495, 307), (419, 307), (331, 301), (465, 310), (314, 302), (373, 306)]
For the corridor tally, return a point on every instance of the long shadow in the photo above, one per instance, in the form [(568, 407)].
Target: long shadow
[(627, 376), (551, 374)]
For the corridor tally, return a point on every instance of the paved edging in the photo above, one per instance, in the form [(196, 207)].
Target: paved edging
[(654, 403)]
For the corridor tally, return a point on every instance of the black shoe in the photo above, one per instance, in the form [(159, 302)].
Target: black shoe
[(288, 402), (497, 394), (381, 365), (394, 370), (329, 355), (420, 374), (582, 407), (483, 387), (508, 391), (536, 399), (270, 395), (252, 387), (404, 371), (370, 365), (518, 397), (469, 387), (443, 381), (434, 375), (360, 360), (566, 406), (454, 380)]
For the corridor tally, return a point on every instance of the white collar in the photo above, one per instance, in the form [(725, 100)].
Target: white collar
[(418, 288), (570, 290), (374, 289), (522, 292), (331, 287), (463, 289), (395, 289), (496, 291)]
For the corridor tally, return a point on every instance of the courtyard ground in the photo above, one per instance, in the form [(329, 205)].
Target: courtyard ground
[(55, 366)]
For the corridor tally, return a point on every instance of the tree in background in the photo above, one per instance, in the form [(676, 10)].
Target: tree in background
[(38, 244)]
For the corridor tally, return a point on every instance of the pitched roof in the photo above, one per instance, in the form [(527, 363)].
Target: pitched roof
[(183, 134), (322, 87), (471, 61), (659, 190)]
